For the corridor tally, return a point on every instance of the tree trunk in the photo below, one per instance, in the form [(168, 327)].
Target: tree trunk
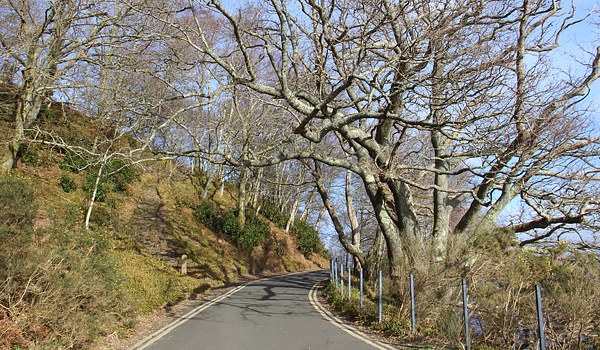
[(28, 109), (374, 255), (210, 176), (222, 177), (307, 205), (93, 200), (256, 188), (319, 217), (398, 244), (441, 203), (349, 247), (242, 196), (293, 211), (9, 156), (356, 236)]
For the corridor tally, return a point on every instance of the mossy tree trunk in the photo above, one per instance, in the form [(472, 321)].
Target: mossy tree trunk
[(29, 105)]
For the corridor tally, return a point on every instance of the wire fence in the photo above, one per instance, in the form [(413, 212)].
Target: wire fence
[(341, 277)]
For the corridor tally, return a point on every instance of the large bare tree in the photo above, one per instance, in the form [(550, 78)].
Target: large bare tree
[(450, 112)]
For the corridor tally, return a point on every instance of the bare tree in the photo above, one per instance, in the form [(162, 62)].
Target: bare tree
[(96, 60), (447, 111), (49, 43)]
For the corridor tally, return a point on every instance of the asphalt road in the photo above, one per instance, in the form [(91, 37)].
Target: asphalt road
[(274, 313)]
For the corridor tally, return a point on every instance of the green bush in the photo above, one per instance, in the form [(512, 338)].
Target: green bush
[(207, 213), (73, 162), (67, 184), (103, 187), (307, 238), (254, 232), (278, 247), (17, 211), (274, 214), (123, 175), (229, 225), (36, 155), (120, 176)]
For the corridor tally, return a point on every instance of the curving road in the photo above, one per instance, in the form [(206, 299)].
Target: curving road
[(274, 313)]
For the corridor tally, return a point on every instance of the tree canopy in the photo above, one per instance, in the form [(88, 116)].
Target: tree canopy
[(456, 116)]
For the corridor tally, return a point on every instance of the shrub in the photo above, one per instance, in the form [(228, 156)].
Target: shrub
[(254, 232), (278, 247), (121, 176), (35, 155), (17, 210), (307, 238), (570, 292), (207, 213), (271, 212), (67, 184), (73, 162), (103, 187), (68, 294), (229, 225), (501, 290), (58, 293)]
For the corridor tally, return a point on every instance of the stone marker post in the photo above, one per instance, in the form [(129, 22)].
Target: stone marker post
[(184, 264)]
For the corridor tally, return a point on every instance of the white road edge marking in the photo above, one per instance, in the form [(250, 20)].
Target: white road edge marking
[(312, 296), (152, 338)]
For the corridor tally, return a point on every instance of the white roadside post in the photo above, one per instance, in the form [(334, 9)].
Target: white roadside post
[(361, 287), (380, 295)]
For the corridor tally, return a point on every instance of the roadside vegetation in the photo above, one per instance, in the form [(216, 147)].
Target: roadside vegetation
[(62, 286), (502, 304)]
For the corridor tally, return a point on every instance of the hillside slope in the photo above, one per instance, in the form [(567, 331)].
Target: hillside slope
[(66, 287)]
